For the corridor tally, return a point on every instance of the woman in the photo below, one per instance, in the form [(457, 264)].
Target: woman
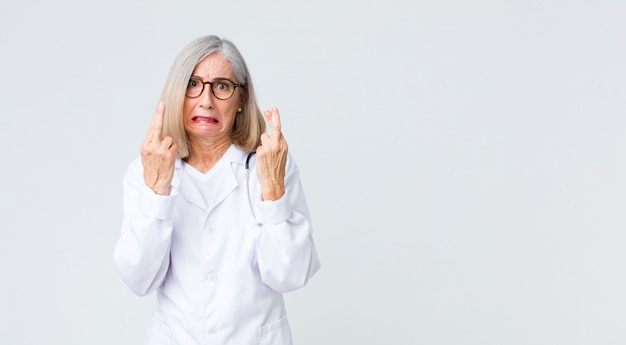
[(217, 231)]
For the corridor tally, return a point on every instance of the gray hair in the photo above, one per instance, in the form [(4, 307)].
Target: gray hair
[(249, 123)]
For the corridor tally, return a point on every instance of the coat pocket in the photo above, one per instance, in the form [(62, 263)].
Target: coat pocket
[(276, 333)]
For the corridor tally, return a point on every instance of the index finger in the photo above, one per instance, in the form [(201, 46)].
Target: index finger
[(156, 125), (273, 118)]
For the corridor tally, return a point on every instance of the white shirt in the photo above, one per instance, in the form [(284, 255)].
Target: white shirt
[(219, 269)]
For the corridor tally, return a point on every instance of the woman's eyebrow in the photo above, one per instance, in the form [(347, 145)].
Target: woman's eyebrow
[(214, 79)]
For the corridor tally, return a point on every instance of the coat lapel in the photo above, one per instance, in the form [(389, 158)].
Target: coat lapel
[(186, 188), (228, 182)]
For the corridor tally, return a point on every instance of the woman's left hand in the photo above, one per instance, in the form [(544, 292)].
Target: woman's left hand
[(272, 159)]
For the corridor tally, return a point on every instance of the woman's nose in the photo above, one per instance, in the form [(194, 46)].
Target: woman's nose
[(206, 97)]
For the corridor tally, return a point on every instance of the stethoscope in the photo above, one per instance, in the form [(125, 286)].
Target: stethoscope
[(248, 185)]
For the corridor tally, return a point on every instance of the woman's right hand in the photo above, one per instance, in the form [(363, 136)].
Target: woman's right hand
[(158, 155)]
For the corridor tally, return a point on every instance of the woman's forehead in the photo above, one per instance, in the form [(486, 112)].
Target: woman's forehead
[(214, 66)]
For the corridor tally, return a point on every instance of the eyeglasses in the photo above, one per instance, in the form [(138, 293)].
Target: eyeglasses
[(221, 88)]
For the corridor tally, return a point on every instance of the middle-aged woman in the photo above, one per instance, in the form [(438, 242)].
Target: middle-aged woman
[(220, 233)]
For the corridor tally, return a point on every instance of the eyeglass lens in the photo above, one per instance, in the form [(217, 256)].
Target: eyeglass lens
[(221, 88)]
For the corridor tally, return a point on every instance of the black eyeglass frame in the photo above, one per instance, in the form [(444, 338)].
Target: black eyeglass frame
[(217, 80)]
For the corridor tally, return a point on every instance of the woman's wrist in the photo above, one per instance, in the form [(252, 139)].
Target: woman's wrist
[(273, 192)]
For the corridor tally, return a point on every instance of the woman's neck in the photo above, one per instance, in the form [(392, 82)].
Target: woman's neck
[(204, 154)]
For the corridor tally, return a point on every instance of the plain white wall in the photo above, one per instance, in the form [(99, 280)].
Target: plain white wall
[(464, 162)]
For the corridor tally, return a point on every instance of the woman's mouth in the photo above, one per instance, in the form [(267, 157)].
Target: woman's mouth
[(204, 119)]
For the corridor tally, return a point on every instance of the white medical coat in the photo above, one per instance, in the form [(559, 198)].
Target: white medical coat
[(219, 273)]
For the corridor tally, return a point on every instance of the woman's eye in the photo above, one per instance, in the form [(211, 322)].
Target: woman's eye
[(193, 83), (222, 86)]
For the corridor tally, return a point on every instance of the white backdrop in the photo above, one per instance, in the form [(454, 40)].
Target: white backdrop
[(464, 161)]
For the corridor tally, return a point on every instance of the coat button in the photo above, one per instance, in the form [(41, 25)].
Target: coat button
[(212, 331), (209, 230)]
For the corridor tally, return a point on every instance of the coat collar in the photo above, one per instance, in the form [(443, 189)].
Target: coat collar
[(234, 156)]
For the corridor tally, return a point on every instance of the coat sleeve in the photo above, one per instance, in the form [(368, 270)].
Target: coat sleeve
[(286, 253), (142, 252)]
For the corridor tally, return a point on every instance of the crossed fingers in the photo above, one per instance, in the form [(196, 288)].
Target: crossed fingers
[(158, 155), (272, 158)]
